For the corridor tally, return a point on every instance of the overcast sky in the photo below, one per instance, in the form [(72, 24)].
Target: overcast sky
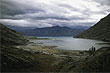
[(47, 13)]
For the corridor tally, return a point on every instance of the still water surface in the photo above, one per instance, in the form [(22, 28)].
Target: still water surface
[(70, 43)]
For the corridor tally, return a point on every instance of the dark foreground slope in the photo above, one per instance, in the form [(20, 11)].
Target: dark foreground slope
[(98, 62), (19, 60), (15, 59), (101, 30), (11, 37), (11, 57)]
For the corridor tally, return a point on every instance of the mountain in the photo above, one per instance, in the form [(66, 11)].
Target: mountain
[(100, 30), (14, 59), (52, 31), (10, 37)]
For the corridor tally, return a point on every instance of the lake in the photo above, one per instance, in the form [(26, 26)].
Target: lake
[(70, 43)]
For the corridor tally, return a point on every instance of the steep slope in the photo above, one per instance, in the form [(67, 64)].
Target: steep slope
[(100, 30), (98, 62), (10, 37), (19, 60), (15, 59), (52, 31)]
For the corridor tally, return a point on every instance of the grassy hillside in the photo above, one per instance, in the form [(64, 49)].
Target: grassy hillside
[(15, 59), (98, 62), (100, 30), (19, 60), (11, 37)]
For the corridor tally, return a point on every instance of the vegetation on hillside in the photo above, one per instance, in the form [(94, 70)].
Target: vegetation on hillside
[(11, 37), (15, 59), (97, 62), (19, 60), (98, 31)]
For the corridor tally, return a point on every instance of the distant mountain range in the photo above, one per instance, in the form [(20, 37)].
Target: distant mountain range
[(100, 30), (52, 31)]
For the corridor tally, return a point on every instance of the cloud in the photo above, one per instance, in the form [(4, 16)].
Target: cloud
[(48, 13), (103, 2)]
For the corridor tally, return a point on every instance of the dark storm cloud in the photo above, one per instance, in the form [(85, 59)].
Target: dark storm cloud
[(11, 8)]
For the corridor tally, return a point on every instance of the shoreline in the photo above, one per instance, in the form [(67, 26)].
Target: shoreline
[(95, 44), (50, 58), (40, 44), (52, 50), (61, 60)]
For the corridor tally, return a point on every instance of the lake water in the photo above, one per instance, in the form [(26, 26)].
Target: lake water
[(70, 43)]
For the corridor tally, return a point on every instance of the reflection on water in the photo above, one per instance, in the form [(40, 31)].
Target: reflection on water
[(69, 43)]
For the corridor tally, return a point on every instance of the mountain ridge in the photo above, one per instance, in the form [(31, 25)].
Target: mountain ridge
[(99, 31), (52, 31)]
